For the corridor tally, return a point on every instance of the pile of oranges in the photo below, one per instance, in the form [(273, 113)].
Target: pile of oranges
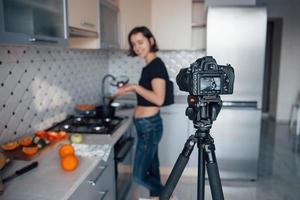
[(68, 159)]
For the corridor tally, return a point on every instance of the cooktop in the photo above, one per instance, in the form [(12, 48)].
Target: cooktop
[(88, 125)]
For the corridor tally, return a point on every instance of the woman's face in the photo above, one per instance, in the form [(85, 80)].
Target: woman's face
[(141, 45)]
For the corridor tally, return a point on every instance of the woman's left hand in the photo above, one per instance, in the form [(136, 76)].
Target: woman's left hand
[(129, 87), (125, 89)]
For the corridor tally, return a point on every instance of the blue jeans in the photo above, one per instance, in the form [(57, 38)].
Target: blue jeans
[(146, 163)]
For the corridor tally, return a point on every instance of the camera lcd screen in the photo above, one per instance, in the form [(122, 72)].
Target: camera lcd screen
[(210, 83)]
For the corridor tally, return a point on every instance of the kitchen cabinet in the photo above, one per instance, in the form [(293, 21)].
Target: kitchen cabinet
[(23, 22), (236, 134), (132, 13), (198, 39), (100, 184), (83, 15), (84, 24), (176, 25), (94, 24), (109, 24), (175, 134), (171, 23)]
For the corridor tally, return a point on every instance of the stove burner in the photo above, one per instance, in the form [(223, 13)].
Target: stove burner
[(88, 125), (66, 126), (107, 119), (98, 128)]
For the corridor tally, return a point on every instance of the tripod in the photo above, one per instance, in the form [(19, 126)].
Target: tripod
[(203, 111)]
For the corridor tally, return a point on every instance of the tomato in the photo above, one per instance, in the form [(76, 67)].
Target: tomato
[(62, 135), (41, 134), (52, 136)]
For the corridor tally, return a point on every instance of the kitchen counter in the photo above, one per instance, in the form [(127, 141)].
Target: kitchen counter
[(48, 181)]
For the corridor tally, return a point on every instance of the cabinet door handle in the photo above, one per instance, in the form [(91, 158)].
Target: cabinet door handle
[(34, 39), (87, 24), (103, 194), (93, 182)]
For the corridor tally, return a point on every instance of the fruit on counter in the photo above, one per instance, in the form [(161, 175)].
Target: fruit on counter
[(52, 136), (65, 150), (41, 134), (55, 136), (10, 145), (25, 141), (62, 135), (76, 138), (30, 151), (69, 162)]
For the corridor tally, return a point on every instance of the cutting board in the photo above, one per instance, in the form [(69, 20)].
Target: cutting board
[(18, 154)]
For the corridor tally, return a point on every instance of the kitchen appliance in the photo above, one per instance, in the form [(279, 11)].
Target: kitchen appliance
[(237, 35), (88, 125)]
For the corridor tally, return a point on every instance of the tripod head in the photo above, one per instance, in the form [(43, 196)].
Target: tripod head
[(203, 110)]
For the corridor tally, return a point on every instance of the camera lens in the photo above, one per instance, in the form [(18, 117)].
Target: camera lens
[(183, 80)]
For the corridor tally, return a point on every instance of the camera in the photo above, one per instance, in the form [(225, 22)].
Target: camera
[(205, 77)]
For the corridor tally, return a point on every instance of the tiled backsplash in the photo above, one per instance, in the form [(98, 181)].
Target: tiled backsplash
[(41, 85), (121, 64)]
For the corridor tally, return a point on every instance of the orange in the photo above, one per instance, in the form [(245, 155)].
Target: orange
[(10, 145), (69, 162), (30, 151), (25, 141), (66, 149)]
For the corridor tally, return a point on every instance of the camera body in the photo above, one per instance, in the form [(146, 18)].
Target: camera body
[(205, 77)]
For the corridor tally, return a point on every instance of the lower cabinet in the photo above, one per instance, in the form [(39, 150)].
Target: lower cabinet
[(100, 184), (175, 133)]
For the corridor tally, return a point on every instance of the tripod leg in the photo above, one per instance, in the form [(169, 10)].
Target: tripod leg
[(201, 173), (213, 173), (178, 169)]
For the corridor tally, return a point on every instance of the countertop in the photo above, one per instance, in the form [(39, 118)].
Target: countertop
[(48, 181)]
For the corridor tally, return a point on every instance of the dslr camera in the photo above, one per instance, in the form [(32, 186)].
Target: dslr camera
[(205, 77)]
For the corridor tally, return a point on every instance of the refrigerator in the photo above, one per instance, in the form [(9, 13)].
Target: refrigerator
[(237, 36)]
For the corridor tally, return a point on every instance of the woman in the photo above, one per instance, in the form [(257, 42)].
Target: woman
[(151, 94)]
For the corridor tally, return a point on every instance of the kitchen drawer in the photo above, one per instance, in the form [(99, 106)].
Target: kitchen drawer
[(100, 183)]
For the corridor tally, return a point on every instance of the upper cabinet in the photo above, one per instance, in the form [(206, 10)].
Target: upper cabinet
[(109, 24), (93, 24), (83, 14), (171, 23), (133, 13), (83, 19), (33, 22), (176, 24), (199, 10)]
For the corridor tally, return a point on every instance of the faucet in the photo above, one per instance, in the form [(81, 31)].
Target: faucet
[(102, 87), (117, 82)]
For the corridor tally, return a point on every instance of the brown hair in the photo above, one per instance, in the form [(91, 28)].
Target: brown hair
[(146, 33)]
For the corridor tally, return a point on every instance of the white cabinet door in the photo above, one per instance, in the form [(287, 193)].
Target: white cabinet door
[(236, 134), (171, 22), (175, 133), (83, 15), (133, 13)]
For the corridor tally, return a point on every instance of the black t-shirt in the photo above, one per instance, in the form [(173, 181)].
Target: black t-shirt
[(155, 69)]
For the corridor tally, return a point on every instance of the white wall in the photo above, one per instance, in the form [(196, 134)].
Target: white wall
[(289, 72)]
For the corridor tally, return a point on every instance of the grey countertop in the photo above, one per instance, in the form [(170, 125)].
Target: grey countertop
[(48, 181)]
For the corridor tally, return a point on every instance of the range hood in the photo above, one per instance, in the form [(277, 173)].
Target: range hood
[(77, 32)]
